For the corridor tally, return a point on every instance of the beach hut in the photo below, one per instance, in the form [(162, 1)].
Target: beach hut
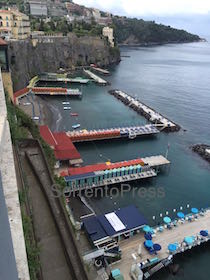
[(118, 172), (114, 172), (122, 171), (138, 168), (126, 170), (134, 169), (130, 171), (106, 174)]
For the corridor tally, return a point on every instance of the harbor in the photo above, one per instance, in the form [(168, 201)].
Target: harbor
[(96, 78), (113, 133), (149, 113)]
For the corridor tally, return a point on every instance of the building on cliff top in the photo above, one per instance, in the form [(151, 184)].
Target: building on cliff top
[(38, 8), (109, 33), (14, 25)]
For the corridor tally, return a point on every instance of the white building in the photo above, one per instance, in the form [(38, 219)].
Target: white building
[(109, 33)]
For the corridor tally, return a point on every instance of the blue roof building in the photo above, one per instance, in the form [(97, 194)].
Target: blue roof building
[(104, 228)]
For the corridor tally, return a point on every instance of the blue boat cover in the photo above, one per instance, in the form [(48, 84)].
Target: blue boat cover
[(99, 227)]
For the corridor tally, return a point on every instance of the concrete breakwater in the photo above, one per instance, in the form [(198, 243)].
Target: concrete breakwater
[(150, 114), (203, 150)]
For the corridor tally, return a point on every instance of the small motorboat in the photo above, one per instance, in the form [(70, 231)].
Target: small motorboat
[(74, 114), (65, 102), (66, 108), (75, 126)]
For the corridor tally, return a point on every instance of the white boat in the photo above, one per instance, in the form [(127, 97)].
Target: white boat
[(75, 126), (66, 108), (65, 102)]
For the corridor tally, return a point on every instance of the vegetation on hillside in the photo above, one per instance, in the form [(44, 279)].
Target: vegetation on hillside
[(56, 25), (145, 32)]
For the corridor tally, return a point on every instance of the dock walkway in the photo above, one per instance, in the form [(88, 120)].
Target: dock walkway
[(96, 78), (168, 236), (113, 133), (100, 70), (149, 113)]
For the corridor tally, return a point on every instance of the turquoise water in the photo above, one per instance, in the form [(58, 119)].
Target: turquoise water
[(174, 80)]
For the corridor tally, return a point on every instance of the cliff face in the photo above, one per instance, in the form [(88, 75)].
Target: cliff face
[(31, 57)]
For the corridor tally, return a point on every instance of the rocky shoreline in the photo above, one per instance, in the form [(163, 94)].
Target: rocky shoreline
[(202, 150)]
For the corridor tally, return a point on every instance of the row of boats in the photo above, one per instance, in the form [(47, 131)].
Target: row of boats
[(67, 107)]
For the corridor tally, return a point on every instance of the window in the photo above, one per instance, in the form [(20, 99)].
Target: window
[(7, 24), (1, 23), (7, 18), (3, 61)]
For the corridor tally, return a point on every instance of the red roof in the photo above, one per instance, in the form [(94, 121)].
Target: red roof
[(87, 169), (48, 89), (2, 42), (47, 135), (103, 166), (64, 149), (21, 92)]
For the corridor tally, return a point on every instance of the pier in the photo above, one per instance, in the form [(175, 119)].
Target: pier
[(189, 227), (100, 70), (62, 78), (96, 78), (113, 133), (47, 91), (103, 174), (149, 113)]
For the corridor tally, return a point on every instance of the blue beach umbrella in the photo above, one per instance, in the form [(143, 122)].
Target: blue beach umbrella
[(146, 228), (167, 220), (148, 243), (194, 210), (180, 215), (204, 233), (189, 240), (148, 236), (172, 247), (157, 247)]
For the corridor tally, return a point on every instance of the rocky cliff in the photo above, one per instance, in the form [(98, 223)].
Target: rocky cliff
[(48, 54)]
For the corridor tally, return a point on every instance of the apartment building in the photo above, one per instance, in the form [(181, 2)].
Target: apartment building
[(14, 25)]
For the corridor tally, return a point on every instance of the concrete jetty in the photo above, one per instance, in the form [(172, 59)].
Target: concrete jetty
[(149, 113), (96, 78), (100, 70)]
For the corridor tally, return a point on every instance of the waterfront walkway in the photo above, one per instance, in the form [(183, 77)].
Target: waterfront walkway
[(168, 236), (96, 78)]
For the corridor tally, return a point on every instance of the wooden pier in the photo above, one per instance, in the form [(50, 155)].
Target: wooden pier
[(96, 78), (149, 113), (130, 132), (176, 234), (100, 70), (105, 174)]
